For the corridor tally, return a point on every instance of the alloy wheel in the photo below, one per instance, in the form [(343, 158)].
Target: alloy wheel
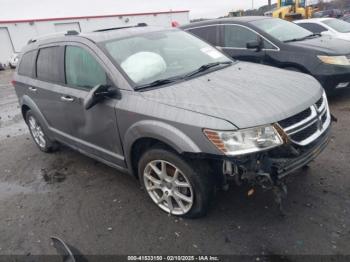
[(37, 132), (168, 187)]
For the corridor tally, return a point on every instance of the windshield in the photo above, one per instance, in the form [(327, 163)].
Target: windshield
[(282, 30), (161, 55), (338, 25)]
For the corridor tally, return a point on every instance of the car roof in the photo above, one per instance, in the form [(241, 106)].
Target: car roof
[(313, 20), (239, 20)]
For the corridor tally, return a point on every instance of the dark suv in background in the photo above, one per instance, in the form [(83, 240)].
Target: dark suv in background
[(282, 44), (170, 109)]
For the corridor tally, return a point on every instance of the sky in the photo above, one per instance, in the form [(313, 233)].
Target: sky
[(31, 9)]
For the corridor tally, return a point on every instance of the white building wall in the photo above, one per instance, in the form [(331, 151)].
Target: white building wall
[(21, 32)]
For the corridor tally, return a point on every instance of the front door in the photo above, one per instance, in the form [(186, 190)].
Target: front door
[(95, 131)]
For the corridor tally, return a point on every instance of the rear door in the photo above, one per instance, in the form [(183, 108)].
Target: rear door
[(48, 85), (94, 131)]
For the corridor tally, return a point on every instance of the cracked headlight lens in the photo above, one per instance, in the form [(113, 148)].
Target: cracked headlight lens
[(245, 141)]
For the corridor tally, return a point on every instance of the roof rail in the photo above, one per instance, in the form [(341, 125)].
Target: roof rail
[(72, 32), (121, 27), (42, 37)]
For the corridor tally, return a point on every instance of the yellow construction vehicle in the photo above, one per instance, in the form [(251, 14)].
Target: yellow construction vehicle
[(293, 9)]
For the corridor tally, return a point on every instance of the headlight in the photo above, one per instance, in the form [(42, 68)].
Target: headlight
[(245, 141), (334, 60)]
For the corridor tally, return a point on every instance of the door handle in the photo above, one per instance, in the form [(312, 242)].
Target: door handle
[(33, 89), (67, 99)]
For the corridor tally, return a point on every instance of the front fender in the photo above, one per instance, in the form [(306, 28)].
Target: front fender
[(163, 132)]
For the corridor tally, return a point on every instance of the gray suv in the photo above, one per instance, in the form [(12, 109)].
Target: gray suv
[(171, 110)]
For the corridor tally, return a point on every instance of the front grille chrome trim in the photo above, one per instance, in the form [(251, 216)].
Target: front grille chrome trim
[(318, 112)]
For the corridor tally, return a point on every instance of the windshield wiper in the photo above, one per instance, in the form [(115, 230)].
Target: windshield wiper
[(206, 67), (301, 38), (159, 82)]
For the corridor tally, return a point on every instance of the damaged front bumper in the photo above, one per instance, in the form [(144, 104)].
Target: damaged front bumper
[(268, 169), (303, 156), (274, 164)]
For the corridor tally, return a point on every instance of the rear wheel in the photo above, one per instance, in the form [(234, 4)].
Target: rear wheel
[(175, 186), (40, 138)]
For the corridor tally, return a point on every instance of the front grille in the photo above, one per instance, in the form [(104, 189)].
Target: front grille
[(305, 133), (296, 118), (306, 126), (319, 103), (324, 118)]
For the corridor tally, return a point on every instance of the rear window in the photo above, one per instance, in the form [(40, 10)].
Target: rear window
[(27, 63), (48, 64)]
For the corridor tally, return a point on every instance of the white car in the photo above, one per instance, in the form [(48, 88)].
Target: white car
[(327, 26), (13, 61)]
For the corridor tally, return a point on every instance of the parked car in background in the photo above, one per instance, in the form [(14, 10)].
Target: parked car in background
[(327, 26), (13, 61), (346, 18), (336, 13), (1, 66), (279, 43), (170, 109)]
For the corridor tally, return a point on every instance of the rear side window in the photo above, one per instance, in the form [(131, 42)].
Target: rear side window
[(27, 64), (315, 28), (82, 69), (48, 64), (208, 33)]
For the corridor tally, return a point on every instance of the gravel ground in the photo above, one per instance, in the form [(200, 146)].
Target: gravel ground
[(99, 211)]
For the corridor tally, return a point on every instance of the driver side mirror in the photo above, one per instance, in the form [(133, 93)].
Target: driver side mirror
[(99, 93), (257, 45)]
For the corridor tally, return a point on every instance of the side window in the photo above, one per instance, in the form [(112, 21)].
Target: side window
[(27, 64), (314, 28), (48, 64), (208, 33), (82, 69), (238, 36)]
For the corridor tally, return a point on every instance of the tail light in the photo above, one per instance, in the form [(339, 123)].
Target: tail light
[(13, 83)]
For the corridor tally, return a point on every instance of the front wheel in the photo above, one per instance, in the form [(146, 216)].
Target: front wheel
[(175, 186)]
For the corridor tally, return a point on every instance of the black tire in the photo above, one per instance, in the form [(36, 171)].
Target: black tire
[(49, 146), (197, 172)]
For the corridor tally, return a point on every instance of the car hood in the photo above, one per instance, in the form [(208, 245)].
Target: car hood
[(244, 94), (326, 44)]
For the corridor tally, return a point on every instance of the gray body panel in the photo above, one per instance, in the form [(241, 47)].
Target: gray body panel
[(240, 96)]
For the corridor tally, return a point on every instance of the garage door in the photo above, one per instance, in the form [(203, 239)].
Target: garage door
[(64, 27), (6, 48)]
